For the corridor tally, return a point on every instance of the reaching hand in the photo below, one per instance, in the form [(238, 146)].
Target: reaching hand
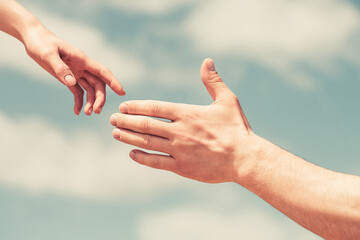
[(206, 143), (72, 68)]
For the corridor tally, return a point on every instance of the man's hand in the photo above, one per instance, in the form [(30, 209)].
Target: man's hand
[(72, 68), (205, 143)]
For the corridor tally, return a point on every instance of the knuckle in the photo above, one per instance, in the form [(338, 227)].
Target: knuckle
[(147, 141), (45, 54), (119, 121), (122, 138), (100, 99), (216, 79), (233, 97), (61, 69), (99, 87), (155, 163), (80, 59), (103, 71), (144, 125), (83, 83), (98, 84), (79, 93), (154, 108), (80, 53)]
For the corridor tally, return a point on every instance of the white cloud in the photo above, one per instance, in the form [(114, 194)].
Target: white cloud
[(13, 56), (201, 221), (38, 157), (279, 34), (125, 67), (154, 7)]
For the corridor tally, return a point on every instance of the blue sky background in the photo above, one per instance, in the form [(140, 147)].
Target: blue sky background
[(293, 64)]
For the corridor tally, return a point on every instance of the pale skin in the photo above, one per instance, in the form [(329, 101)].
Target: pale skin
[(215, 144), (68, 64)]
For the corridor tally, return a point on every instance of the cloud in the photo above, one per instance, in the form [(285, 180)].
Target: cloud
[(202, 221), (151, 8), (154, 7), (278, 34), (38, 157), (126, 68), (14, 57)]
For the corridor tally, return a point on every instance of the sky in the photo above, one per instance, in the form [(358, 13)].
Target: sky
[(295, 66)]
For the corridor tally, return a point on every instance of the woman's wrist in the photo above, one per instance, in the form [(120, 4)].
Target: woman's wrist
[(30, 28), (15, 20)]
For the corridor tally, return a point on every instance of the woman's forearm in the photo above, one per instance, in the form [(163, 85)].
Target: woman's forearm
[(15, 20), (323, 201)]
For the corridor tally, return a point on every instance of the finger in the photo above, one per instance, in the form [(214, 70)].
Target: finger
[(153, 160), (60, 70), (142, 140), (104, 74), (90, 95), (152, 108), (100, 91), (212, 81), (78, 98), (141, 124)]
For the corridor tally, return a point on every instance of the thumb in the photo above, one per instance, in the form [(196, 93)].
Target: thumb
[(61, 71), (212, 81)]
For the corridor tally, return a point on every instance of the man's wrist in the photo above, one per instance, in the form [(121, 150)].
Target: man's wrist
[(249, 168)]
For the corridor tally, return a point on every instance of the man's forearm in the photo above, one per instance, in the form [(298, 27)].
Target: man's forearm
[(215, 144), (323, 201), (15, 20)]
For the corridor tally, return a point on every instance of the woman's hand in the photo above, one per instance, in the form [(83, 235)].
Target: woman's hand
[(72, 68), (65, 62)]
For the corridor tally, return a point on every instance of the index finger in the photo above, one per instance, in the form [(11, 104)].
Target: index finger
[(104, 74), (151, 108)]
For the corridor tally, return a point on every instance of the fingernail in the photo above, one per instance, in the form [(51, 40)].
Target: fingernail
[(132, 155), (90, 110), (70, 80), (116, 133), (210, 64), (124, 108), (113, 119)]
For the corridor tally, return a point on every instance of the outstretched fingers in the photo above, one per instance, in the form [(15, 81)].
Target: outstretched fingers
[(157, 161), (152, 108), (141, 140), (104, 74), (142, 124)]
